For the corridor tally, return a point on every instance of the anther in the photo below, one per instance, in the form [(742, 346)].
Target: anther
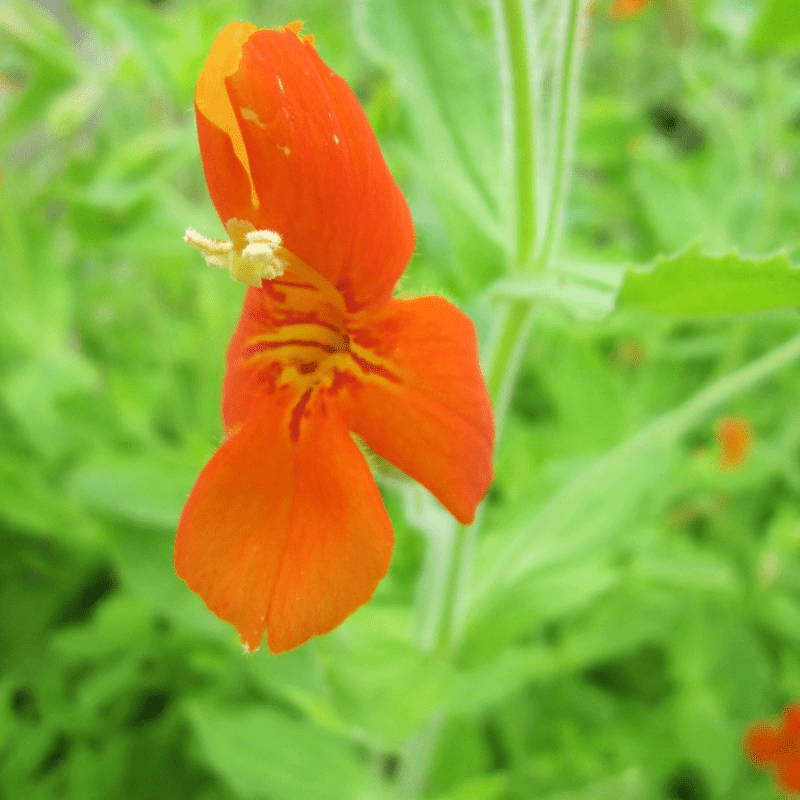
[(257, 260)]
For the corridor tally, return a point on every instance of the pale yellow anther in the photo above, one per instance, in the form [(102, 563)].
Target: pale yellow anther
[(251, 256)]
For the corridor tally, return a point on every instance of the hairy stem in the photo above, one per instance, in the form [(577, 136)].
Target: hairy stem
[(519, 121), (532, 248), (565, 109)]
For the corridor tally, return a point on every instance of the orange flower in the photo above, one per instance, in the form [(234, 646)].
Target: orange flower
[(766, 745), (627, 8), (285, 530), (734, 437)]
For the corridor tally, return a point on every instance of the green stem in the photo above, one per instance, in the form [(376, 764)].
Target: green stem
[(453, 557), (416, 758), (515, 317), (520, 121), (505, 355), (567, 77), (678, 422), (12, 240), (769, 78)]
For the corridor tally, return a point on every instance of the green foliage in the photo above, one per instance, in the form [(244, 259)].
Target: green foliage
[(632, 604), (694, 284), (262, 752), (777, 27)]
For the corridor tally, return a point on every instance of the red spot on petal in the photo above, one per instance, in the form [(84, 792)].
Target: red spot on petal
[(374, 369), (298, 412)]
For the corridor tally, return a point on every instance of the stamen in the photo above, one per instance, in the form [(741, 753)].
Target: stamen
[(206, 246), (257, 260)]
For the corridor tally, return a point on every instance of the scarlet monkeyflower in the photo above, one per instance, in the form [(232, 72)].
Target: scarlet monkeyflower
[(779, 748), (627, 8), (285, 530), (734, 437)]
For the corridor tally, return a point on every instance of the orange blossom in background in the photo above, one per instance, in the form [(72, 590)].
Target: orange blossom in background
[(778, 748), (735, 437), (627, 8)]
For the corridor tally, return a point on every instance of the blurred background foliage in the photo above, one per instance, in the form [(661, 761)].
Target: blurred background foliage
[(636, 605)]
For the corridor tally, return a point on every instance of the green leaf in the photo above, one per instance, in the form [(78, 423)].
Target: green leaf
[(777, 27), (118, 625), (584, 302), (585, 393), (147, 491), (492, 786), (708, 737), (673, 198), (627, 786), (383, 684), (586, 514), (26, 500), (36, 30), (35, 389), (516, 667), (262, 753), (695, 284), (443, 61)]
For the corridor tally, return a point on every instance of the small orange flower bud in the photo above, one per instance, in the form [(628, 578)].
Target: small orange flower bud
[(627, 8), (734, 436)]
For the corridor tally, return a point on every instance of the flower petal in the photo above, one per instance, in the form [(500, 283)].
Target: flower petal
[(286, 329), (417, 397), (761, 744), (316, 166), (787, 774), (225, 161), (791, 720), (285, 533)]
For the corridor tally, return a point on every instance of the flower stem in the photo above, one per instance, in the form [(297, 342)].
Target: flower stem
[(532, 249), (514, 317), (519, 118), (566, 95)]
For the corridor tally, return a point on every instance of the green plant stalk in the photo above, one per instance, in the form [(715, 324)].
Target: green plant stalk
[(516, 59), (769, 79), (567, 95), (515, 318), (513, 321), (506, 356), (13, 243)]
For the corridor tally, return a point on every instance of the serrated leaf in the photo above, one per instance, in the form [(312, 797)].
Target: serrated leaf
[(695, 284)]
